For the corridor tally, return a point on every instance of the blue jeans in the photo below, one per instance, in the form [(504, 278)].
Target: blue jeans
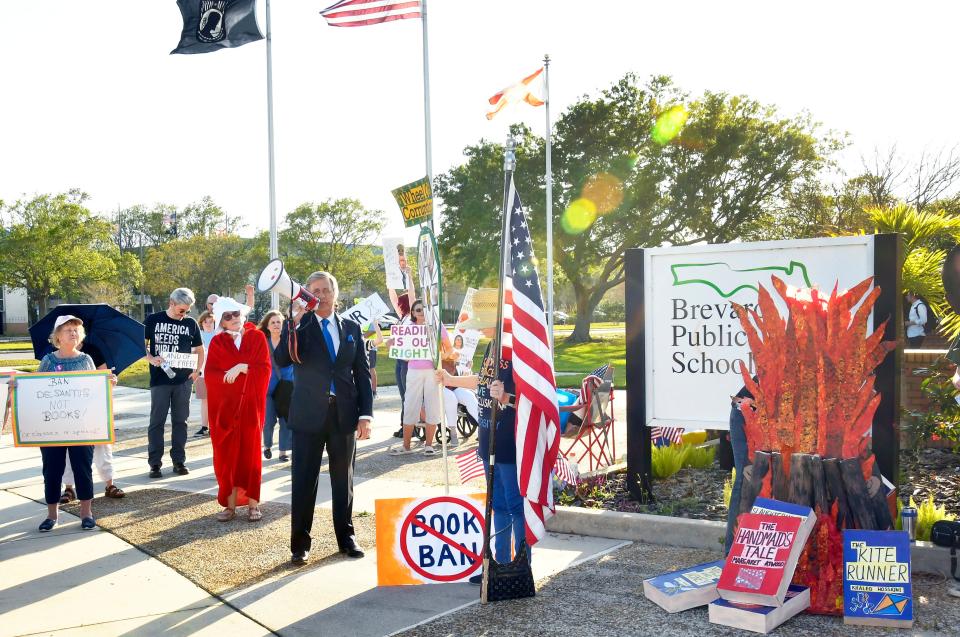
[(400, 371), (270, 419), (507, 512), (738, 440)]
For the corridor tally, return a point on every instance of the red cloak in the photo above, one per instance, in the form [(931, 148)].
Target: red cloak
[(236, 412)]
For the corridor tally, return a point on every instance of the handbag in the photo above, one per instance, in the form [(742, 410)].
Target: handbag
[(282, 394), (512, 580)]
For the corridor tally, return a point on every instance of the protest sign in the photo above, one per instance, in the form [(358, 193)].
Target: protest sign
[(180, 360), (367, 310), (410, 342), (54, 409), (4, 396), (479, 309), (431, 284), (394, 263), (465, 343), (429, 541), (416, 202)]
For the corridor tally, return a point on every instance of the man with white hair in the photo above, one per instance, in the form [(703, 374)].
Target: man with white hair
[(171, 334)]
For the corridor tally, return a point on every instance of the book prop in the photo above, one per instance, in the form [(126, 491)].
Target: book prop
[(758, 618), (808, 434), (684, 589), (876, 579), (763, 557)]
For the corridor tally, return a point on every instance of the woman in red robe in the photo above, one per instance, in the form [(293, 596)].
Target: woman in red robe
[(237, 373)]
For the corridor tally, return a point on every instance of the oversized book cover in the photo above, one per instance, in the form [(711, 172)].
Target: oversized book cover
[(764, 554), (877, 587), (686, 588)]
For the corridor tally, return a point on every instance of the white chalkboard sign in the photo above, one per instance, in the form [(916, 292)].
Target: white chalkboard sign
[(54, 409)]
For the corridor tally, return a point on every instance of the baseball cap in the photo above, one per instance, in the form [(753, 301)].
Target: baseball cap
[(66, 318)]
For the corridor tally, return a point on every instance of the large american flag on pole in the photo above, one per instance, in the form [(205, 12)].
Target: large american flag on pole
[(360, 13), (537, 429)]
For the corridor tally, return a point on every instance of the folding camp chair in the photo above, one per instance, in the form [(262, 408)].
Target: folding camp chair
[(595, 440)]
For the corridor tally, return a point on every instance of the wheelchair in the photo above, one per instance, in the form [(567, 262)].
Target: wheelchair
[(466, 427)]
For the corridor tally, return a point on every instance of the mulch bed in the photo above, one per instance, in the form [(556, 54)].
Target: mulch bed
[(698, 493), (181, 531)]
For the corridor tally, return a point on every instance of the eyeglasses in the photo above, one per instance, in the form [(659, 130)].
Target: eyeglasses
[(229, 316), (418, 309)]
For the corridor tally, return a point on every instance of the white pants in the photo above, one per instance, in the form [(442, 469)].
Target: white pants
[(102, 459), (462, 396), (421, 391)]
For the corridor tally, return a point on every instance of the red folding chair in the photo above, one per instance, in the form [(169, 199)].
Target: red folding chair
[(595, 441)]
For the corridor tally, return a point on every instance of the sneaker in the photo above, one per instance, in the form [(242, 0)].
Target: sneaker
[(398, 433), (203, 431), (267, 453), (180, 469), (47, 525), (476, 580), (283, 457), (88, 524), (155, 471)]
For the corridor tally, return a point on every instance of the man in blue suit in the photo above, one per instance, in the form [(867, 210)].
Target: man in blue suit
[(331, 407)]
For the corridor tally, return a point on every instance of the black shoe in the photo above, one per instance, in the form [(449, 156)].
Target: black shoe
[(300, 558), (476, 580), (398, 433), (352, 550), (155, 471), (180, 469), (283, 457), (203, 431), (267, 453)]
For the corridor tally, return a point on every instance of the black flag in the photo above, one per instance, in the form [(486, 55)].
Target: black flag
[(210, 25)]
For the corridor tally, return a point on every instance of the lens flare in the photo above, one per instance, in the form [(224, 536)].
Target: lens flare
[(605, 191), (579, 216), (669, 123)]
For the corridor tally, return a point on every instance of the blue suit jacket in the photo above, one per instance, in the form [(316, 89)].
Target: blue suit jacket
[(311, 378)]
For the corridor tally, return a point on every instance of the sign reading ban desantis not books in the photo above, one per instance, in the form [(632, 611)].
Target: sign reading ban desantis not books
[(693, 342), (55, 409), (416, 202)]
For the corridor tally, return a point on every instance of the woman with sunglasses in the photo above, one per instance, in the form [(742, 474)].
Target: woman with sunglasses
[(422, 391), (237, 374)]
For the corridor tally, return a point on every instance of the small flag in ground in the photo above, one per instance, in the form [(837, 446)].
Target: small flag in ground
[(566, 470), (361, 13), (211, 25), (668, 434), (591, 382), (519, 92), (470, 466)]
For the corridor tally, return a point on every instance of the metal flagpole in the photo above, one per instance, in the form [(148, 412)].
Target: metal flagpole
[(548, 178), (427, 140), (509, 163), (274, 249)]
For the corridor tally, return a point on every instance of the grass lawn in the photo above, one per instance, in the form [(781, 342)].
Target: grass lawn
[(15, 346), (557, 329), (22, 365)]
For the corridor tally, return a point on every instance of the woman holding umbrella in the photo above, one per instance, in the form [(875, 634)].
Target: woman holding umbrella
[(237, 374)]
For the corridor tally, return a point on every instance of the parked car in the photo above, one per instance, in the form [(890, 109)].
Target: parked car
[(560, 317)]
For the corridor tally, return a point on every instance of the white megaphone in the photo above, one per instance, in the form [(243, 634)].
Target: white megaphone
[(274, 278)]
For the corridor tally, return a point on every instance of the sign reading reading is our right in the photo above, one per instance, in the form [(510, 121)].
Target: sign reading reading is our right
[(695, 347)]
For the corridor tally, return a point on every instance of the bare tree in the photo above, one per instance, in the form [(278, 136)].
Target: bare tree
[(934, 176), (883, 176)]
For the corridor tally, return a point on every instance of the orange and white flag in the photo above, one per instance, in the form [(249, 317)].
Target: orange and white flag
[(519, 92)]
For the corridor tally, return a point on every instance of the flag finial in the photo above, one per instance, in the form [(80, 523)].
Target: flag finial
[(509, 155)]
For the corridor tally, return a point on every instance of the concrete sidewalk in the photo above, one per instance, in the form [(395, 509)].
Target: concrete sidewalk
[(72, 582)]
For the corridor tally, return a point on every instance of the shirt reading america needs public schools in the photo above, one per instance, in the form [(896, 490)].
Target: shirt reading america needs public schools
[(167, 335)]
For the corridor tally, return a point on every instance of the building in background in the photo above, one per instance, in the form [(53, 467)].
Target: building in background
[(13, 312)]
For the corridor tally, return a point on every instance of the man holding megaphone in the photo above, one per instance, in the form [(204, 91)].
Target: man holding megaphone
[(331, 407)]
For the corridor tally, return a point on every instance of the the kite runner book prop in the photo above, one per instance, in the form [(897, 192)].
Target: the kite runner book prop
[(762, 559), (877, 588), (756, 617), (684, 589)]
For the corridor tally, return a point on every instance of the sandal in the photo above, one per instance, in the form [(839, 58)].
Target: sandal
[(113, 491), (226, 515), (254, 514), (429, 450), (69, 495), (400, 451)]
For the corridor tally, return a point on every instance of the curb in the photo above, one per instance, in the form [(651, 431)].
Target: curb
[(695, 534)]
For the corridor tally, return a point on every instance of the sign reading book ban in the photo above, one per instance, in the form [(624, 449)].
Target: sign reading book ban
[(429, 540), (53, 409)]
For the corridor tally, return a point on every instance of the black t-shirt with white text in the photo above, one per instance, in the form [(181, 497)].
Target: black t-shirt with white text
[(165, 334)]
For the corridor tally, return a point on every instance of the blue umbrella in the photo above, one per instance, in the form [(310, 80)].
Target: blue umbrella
[(118, 337)]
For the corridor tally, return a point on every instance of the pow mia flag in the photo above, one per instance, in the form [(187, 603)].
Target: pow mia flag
[(210, 25)]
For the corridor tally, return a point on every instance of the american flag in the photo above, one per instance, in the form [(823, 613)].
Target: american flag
[(538, 419), (669, 434), (360, 13), (591, 382), (470, 466), (566, 470)]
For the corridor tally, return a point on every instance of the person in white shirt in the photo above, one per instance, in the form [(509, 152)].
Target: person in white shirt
[(916, 320)]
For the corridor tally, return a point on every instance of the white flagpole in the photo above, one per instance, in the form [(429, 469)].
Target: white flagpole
[(274, 250), (548, 178), (427, 140)]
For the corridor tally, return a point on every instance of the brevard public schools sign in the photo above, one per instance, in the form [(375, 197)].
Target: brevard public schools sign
[(695, 347)]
